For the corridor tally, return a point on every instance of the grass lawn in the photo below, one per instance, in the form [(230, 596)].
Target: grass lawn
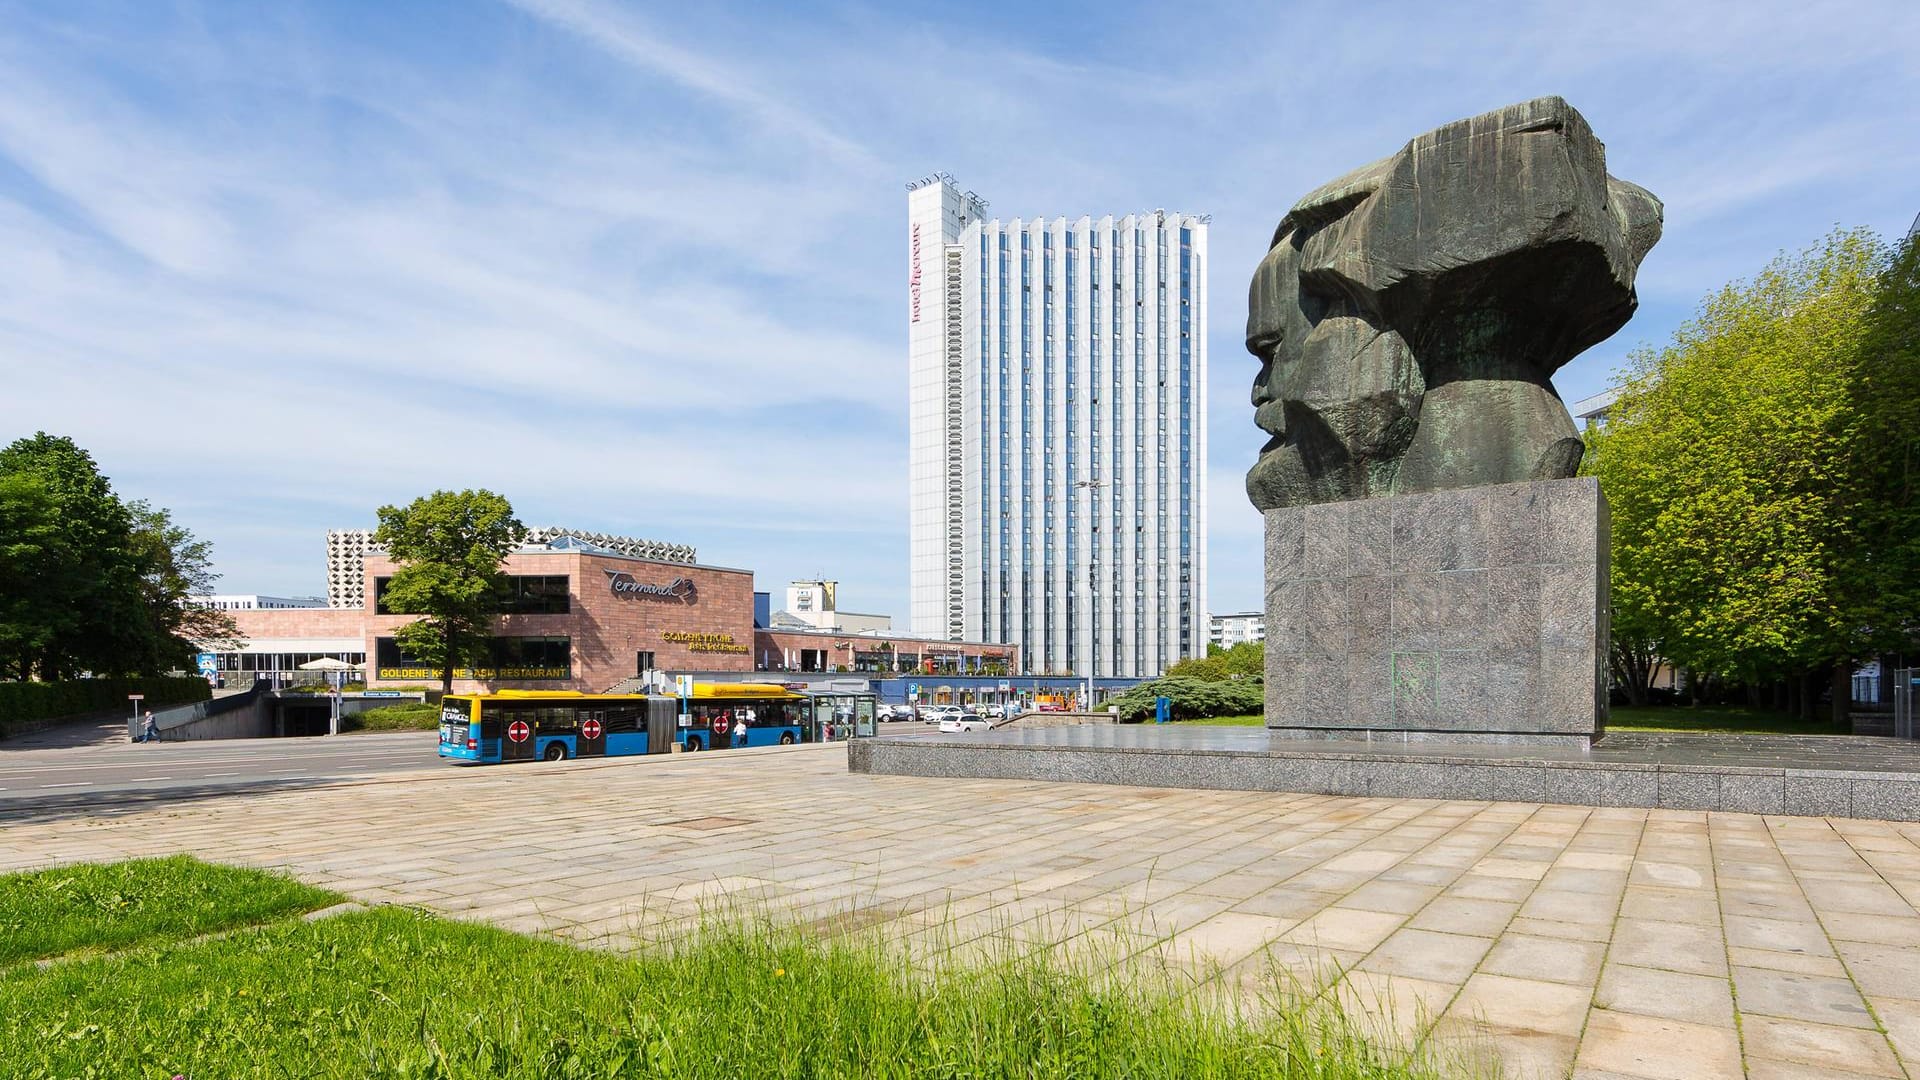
[(1725, 719), (392, 993), (412, 716), (1228, 721), (93, 907)]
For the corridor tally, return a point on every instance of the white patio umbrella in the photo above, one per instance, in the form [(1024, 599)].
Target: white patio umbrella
[(329, 664)]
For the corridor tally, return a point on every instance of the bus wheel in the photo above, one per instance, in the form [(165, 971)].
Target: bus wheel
[(693, 744), (786, 738), (556, 752)]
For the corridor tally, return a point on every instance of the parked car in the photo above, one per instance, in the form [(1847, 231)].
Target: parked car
[(959, 721), (942, 713)]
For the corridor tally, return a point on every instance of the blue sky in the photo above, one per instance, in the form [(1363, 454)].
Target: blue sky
[(641, 266)]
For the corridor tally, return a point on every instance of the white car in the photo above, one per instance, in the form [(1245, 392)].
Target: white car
[(954, 719)]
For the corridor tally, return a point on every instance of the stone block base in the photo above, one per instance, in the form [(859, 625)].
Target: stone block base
[(1470, 615)]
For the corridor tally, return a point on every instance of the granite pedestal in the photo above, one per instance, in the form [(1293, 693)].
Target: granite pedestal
[(1811, 775), (1476, 615)]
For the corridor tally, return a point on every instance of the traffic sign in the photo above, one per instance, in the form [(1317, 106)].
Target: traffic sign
[(518, 731), (683, 686), (719, 725), (590, 730), (136, 697)]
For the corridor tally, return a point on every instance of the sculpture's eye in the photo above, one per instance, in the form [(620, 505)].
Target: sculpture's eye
[(1265, 345)]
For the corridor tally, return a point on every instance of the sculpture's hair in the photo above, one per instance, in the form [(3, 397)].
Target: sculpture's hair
[(1335, 199)]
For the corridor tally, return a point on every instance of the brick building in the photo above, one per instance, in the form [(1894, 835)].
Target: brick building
[(582, 617)]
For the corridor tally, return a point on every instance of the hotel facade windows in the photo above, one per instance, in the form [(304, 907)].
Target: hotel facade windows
[(1058, 445)]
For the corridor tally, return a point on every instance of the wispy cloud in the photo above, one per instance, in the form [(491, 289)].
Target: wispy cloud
[(626, 264), (622, 34)]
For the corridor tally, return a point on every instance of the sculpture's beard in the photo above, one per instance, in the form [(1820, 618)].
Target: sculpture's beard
[(1328, 452)]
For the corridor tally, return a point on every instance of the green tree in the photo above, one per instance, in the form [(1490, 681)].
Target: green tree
[(175, 565), (448, 546), (1736, 507), (1247, 659), (1884, 455), (29, 552), (87, 599)]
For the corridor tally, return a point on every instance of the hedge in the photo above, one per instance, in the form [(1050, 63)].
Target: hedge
[(1192, 699), (24, 702)]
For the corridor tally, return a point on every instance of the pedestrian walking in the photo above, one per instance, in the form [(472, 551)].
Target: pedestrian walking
[(149, 730)]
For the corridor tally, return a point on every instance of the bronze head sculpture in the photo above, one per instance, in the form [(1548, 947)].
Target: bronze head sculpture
[(1410, 314)]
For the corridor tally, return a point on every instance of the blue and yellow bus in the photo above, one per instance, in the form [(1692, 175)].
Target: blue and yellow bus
[(524, 725), (723, 715)]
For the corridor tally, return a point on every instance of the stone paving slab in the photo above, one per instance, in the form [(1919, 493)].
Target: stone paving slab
[(1813, 775), (1562, 940)]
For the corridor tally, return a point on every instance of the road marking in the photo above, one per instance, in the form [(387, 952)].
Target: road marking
[(76, 783), (143, 779), (211, 775)]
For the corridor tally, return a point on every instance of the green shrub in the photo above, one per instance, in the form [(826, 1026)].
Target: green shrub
[(24, 702), (1192, 699), (409, 717)]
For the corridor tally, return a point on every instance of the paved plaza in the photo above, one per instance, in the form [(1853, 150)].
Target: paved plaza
[(1597, 943)]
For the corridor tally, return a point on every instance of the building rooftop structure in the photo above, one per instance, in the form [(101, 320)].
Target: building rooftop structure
[(255, 601), (346, 548), (1593, 410)]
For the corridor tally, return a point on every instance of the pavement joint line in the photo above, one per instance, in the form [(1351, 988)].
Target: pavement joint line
[(1726, 950), (1866, 1002), (1613, 931), (1421, 1040), (1506, 926)]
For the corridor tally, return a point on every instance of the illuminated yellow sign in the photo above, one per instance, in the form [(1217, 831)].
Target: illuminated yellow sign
[(533, 674), (704, 642)]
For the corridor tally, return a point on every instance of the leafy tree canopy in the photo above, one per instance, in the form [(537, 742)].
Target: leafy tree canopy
[(1247, 659), (87, 581), (448, 546), (1749, 466)]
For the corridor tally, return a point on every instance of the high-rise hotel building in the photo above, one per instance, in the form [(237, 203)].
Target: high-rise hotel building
[(1059, 485)]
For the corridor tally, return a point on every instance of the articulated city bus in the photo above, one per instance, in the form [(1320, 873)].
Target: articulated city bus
[(522, 725)]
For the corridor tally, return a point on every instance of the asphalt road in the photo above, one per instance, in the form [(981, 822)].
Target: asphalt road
[(126, 777), (156, 768)]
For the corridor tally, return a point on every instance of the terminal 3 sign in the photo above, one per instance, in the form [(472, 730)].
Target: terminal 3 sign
[(679, 590)]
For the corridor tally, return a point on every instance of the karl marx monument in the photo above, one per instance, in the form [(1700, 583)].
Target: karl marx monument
[(1434, 568)]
